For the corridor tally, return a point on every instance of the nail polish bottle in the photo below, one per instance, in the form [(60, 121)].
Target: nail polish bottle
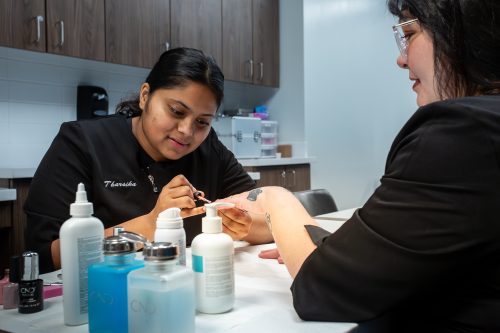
[(30, 286), (10, 290), (3, 282)]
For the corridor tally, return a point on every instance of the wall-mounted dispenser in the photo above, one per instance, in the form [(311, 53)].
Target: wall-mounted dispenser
[(91, 102)]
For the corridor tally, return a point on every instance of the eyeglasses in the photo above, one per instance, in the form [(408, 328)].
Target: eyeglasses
[(401, 39)]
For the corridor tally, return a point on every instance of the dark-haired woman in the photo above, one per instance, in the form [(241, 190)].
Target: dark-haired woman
[(423, 253), (153, 154)]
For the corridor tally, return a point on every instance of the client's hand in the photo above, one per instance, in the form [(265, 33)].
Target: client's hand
[(235, 222), (271, 254)]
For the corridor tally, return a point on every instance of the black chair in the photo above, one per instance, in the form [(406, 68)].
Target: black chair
[(316, 202)]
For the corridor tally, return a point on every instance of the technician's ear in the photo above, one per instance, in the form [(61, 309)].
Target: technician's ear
[(143, 95)]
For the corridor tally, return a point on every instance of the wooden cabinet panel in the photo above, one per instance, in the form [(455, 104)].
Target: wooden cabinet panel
[(198, 24), (6, 22), (137, 32), (76, 28), (13, 220), (237, 56), (296, 177), (28, 25), (266, 42)]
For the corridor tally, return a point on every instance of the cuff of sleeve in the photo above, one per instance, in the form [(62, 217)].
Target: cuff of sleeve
[(317, 234)]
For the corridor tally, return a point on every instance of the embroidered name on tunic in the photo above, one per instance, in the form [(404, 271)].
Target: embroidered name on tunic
[(112, 183)]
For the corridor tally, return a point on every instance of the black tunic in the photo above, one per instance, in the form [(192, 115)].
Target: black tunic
[(424, 250), (105, 156)]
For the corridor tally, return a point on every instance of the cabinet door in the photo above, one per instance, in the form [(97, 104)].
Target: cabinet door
[(28, 25), (198, 24), (237, 40), (6, 22), (298, 177), (76, 28), (266, 42), (137, 32), (271, 176)]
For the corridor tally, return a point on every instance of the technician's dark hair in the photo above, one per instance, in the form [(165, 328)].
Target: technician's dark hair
[(466, 40), (177, 68)]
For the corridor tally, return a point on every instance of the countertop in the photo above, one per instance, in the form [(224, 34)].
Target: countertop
[(11, 173), (250, 162)]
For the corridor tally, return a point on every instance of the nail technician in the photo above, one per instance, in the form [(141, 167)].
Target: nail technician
[(424, 251), (153, 154)]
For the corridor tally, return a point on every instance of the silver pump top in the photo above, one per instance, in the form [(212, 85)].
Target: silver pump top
[(30, 266), (160, 251), (117, 245), (122, 242)]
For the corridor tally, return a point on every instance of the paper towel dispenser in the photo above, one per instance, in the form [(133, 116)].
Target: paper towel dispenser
[(91, 102)]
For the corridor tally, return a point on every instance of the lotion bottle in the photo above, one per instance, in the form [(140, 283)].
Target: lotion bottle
[(212, 260), (108, 284), (169, 228), (161, 295), (81, 246)]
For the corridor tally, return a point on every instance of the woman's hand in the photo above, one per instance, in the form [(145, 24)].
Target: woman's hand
[(177, 193), (235, 222)]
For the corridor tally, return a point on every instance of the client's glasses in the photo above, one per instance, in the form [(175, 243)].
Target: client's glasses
[(401, 39)]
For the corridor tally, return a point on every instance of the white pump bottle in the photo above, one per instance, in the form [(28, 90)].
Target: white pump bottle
[(213, 254), (81, 245), (169, 228)]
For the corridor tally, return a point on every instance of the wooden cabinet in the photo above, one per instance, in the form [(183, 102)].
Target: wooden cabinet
[(266, 42), (76, 28), (22, 24), (198, 24), (251, 42), (67, 27), (13, 220), (296, 177), (137, 32)]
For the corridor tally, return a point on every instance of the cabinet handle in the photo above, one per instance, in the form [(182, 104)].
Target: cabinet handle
[(61, 33), (167, 46), (294, 178), (38, 20), (250, 68), (283, 178), (261, 68)]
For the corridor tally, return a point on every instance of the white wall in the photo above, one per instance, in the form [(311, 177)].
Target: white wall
[(356, 98), (38, 93)]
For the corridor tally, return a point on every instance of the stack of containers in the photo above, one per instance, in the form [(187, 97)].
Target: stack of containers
[(269, 138)]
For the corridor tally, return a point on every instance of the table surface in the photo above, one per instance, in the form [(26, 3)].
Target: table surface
[(263, 301)]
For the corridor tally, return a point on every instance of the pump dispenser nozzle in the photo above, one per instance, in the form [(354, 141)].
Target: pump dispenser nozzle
[(81, 206), (212, 223)]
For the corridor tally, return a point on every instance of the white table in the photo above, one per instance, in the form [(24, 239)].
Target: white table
[(263, 302)]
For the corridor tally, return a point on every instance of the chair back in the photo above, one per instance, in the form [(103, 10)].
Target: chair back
[(317, 201)]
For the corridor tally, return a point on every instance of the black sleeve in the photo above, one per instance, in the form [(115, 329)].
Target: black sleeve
[(433, 216), (53, 189)]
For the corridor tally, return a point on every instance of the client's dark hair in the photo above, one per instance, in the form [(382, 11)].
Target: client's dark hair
[(176, 68), (466, 40)]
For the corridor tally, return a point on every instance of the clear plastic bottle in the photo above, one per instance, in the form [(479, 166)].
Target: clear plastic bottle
[(169, 228), (161, 295), (108, 285), (3, 282), (81, 246), (213, 255)]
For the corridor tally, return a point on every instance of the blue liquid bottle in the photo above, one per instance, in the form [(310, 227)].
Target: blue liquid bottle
[(161, 295), (108, 285)]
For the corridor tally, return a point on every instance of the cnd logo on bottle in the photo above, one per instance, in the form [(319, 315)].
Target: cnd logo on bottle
[(103, 298), (25, 291), (138, 306)]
